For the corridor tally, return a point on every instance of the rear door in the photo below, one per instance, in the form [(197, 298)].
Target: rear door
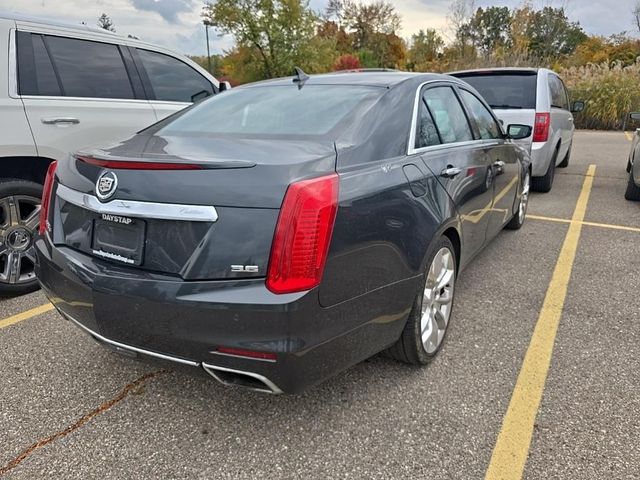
[(458, 159), (561, 117), (78, 92), (506, 169), (170, 83)]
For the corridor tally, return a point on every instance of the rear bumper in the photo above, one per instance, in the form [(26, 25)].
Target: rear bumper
[(541, 153), (185, 321)]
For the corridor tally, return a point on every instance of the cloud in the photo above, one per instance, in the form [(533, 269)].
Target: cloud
[(168, 9)]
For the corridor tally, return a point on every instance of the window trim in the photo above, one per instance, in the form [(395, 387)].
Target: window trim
[(146, 81), (13, 64)]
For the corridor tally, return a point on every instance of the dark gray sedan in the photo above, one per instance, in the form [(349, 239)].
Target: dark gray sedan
[(281, 232), (633, 167)]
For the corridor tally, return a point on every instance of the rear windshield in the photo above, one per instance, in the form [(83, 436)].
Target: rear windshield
[(515, 90), (272, 110)]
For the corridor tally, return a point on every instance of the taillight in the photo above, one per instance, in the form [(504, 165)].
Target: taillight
[(303, 233), (241, 352), (46, 197), (541, 127), (133, 165)]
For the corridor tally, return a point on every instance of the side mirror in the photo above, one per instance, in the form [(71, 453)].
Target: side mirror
[(516, 131), (224, 86), (201, 95), (577, 107), (635, 116)]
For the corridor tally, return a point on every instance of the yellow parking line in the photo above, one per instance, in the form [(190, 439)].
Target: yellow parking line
[(590, 224), (26, 315), (629, 135), (512, 446)]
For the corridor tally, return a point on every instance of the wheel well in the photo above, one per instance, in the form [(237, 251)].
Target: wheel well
[(454, 238), (33, 169)]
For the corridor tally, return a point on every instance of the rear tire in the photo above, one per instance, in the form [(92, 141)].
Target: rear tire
[(565, 162), (427, 325), (633, 191), (543, 184), (19, 220), (518, 219)]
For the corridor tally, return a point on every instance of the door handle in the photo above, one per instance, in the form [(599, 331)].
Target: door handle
[(54, 121), (450, 172)]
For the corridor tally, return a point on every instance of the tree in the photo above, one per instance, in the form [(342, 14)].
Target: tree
[(425, 48), (460, 13), (553, 35), (489, 29), (346, 62), (105, 22), (274, 34)]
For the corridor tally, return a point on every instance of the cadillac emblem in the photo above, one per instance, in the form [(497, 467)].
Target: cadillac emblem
[(106, 185)]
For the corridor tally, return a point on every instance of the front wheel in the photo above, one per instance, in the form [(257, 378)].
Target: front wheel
[(518, 219), (19, 220), (427, 324)]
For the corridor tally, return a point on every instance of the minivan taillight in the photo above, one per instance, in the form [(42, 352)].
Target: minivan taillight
[(302, 236), (541, 127), (46, 197)]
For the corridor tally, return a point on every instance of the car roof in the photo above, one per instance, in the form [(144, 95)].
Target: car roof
[(497, 70), (19, 17), (366, 78)]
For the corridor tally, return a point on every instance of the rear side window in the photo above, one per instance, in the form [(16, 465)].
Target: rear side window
[(487, 125), (89, 69), (272, 111), (427, 134), (35, 70), (448, 114), (558, 93), (500, 90), (173, 80)]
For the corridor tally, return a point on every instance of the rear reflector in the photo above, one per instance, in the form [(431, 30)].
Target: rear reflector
[(241, 352), (46, 197), (302, 236), (131, 165), (541, 127)]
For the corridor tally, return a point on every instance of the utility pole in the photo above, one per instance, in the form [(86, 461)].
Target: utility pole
[(206, 31)]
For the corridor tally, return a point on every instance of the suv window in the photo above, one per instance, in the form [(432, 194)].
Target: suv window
[(448, 114), (487, 125), (173, 80), (89, 69), (558, 93), (504, 89), (35, 70)]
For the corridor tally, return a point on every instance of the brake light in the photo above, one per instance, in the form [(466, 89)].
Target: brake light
[(46, 197), (131, 165), (241, 352), (541, 127), (302, 236)]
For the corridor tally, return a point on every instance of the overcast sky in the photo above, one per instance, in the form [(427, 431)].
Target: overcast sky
[(176, 23)]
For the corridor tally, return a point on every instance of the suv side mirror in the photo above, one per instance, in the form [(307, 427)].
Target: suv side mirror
[(224, 86), (515, 131), (635, 115), (577, 107)]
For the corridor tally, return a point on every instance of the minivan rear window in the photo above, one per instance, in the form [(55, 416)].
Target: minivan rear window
[(504, 90), (272, 110)]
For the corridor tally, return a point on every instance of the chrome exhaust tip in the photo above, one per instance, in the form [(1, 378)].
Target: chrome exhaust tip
[(238, 378)]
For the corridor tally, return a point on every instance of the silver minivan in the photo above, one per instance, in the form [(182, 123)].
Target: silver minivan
[(536, 97)]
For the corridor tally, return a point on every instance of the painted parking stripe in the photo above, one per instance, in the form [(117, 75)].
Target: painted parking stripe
[(512, 446), (25, 315), (629, 135), (589, 224)]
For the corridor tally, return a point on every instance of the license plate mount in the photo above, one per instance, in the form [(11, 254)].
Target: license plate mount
[(120, 239)]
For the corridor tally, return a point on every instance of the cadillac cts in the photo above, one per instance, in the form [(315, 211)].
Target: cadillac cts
[(283, 231)]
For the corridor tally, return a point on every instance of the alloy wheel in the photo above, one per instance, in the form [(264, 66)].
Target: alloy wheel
[(437, 300), (19, 220), (524, 199)]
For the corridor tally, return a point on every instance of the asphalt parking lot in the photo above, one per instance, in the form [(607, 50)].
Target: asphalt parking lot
[(71, 409)]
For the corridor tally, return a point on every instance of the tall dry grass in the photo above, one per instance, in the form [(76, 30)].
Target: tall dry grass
[(611, 92)]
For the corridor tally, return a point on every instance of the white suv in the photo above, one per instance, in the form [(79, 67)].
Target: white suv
[(536, 97), (63, 87)]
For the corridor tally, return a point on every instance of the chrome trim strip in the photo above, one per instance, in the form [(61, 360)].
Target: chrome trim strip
[(129, 347), (210, 369), (13, 68), (268, 360), (132, 208)]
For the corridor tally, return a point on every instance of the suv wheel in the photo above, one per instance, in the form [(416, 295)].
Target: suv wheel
[(565, 162), (19, 220), (633, 191), (543, 184)]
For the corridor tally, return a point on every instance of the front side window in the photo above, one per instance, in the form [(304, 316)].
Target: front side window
[(89, 69), (488, 127), (448, 114), (173, 80)]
